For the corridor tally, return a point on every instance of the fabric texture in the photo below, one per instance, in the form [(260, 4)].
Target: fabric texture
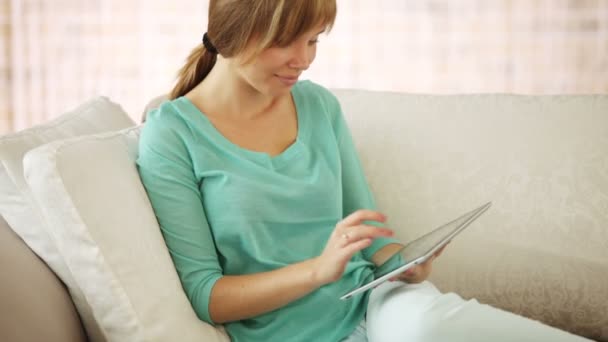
[(21, 210), (541, 250), (227, 210), (106, 231)]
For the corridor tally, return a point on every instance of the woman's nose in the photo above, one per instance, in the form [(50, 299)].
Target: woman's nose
[(300, 57)]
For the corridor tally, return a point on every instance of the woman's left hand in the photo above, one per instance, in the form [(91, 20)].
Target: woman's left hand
[(419, 273)]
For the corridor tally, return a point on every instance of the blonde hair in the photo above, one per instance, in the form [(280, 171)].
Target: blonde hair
[(234, 23)]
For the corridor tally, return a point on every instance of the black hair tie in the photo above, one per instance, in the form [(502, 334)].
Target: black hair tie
[(208, 45)]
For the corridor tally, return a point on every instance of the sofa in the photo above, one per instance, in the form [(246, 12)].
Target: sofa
[(82, 258)]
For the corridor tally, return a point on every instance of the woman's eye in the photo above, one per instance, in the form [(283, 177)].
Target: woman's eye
[(314, 41)]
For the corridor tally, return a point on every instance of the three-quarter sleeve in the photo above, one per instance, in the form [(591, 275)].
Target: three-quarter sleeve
[(166, 170)]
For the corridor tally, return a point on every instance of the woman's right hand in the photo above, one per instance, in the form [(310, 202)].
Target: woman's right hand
[(349, 237)]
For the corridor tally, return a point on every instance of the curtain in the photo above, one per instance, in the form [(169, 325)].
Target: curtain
[(56, 54)]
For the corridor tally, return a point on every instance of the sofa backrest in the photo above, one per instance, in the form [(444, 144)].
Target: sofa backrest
[(541, 250), (542, 160)]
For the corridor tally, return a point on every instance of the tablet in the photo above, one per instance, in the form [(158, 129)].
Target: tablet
[(419, 250)]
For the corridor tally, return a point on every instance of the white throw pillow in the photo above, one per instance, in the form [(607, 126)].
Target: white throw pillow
[(16, 203), (107, 232)]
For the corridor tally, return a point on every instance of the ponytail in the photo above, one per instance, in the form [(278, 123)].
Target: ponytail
[(197, 67)]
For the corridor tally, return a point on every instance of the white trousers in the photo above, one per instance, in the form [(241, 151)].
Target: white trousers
[(399, 312)]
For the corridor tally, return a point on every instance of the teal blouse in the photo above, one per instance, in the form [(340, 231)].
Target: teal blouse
[(226, 210)]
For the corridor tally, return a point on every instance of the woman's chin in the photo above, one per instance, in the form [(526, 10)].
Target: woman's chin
[(275, 90)]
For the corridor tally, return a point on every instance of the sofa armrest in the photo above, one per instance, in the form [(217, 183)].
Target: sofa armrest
[(34, 303)]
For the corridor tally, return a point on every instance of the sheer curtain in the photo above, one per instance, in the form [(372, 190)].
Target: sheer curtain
[(60, 53), (56, 54)]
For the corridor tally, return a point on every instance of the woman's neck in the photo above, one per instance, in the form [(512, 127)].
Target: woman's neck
[(218, 94)]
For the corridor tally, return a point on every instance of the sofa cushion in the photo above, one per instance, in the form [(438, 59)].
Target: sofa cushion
[(107, 232), (35, 304), (20, 209), (542, 249)]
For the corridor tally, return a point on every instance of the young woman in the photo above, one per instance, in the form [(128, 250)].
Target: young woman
[(264, 206)]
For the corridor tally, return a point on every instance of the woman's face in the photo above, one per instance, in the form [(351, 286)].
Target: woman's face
[(275, 70)]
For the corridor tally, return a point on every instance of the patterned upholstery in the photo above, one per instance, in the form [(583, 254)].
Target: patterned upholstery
[(541, 250)]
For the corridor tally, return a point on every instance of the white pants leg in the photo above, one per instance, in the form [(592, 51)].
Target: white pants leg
[(399, 312)]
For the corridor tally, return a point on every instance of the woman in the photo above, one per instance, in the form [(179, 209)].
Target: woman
[(261, 197)]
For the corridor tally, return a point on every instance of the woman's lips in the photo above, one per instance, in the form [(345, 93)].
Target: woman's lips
[(288, 80)]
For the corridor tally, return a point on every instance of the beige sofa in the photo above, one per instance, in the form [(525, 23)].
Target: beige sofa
[(540, 251)]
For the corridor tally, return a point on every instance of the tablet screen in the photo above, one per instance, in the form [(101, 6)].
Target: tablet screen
[(428, 243), (423, 247)]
